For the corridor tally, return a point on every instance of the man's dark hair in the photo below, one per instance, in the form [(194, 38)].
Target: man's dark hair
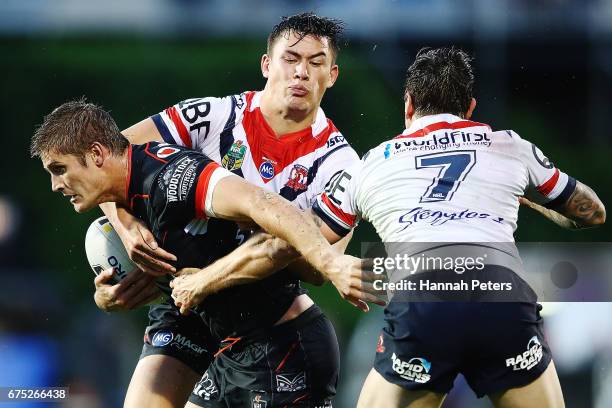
[(440, 81), (73, 127), (309, 24)]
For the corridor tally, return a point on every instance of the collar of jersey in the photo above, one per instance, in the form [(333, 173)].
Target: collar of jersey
[(129, 173), (281, 151), (314, 130), (427, 124)]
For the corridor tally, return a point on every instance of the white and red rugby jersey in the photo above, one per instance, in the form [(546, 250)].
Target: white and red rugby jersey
[(232, 131), (445, 179)]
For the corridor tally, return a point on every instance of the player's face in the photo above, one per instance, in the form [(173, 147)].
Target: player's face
[(299, 71), (77, 182)]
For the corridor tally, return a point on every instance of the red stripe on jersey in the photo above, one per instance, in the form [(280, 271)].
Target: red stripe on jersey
[(443, 125), (282, 363), (153, 155), (547, 187), (282, 150), (129, 173), (345, 217), (176, 119), (202, 189), (298, 399)]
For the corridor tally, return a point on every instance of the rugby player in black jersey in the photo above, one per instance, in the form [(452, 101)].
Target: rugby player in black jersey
[(280, 139), (170, 187)]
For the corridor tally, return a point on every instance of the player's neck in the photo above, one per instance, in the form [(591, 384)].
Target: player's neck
[(283, 120), (118, 173), (409, 121)]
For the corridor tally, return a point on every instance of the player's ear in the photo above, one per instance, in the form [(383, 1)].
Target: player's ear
[(265, 65), (97, 153), (468, 114), (333, 75), (408, 109)]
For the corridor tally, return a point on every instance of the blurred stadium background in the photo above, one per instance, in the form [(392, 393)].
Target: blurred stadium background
[(544, 69)]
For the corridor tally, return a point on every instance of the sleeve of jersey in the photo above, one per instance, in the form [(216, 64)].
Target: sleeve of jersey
[(207, 181), (553, 186), (336, 206), (337, 159), (194, 122)]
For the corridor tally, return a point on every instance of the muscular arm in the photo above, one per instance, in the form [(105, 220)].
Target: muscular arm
[(303, 270), (263, 255), (259, 257), (143, 132), (583, 209), (275, 215)]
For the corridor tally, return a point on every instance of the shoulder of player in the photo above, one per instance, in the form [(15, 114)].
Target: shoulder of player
[(376, 153), (523, 149), (332, 138), (506, 133), (213, 107), (514, 138), (165, 154), (179, 170)]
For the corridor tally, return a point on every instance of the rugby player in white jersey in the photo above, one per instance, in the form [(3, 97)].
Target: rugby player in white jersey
[(279, 139), (449, 179)]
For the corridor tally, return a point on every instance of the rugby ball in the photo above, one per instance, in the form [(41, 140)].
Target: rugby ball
[(105, 250)]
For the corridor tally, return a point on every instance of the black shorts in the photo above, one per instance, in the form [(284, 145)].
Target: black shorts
[(295, 365), (186, 338), (496, 345)]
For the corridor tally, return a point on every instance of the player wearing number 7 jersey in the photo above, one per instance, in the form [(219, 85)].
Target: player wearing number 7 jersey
[(447, 179)]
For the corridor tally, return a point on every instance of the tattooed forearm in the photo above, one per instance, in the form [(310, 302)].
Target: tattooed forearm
[(552, 215), (582, 210), (584, 207)]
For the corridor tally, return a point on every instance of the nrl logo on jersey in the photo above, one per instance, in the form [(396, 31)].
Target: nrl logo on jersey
[(259, 402), (235, 156)]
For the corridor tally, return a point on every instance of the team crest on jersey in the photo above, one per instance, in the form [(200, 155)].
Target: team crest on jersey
[(167, 151), (266, 169), (298, 178), (286, 383), (235, 156)]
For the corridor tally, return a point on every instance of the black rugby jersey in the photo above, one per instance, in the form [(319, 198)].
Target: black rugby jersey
[(170, 189)]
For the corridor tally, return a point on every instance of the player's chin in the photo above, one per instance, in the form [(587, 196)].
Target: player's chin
[(299, 103), (81, 207)]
